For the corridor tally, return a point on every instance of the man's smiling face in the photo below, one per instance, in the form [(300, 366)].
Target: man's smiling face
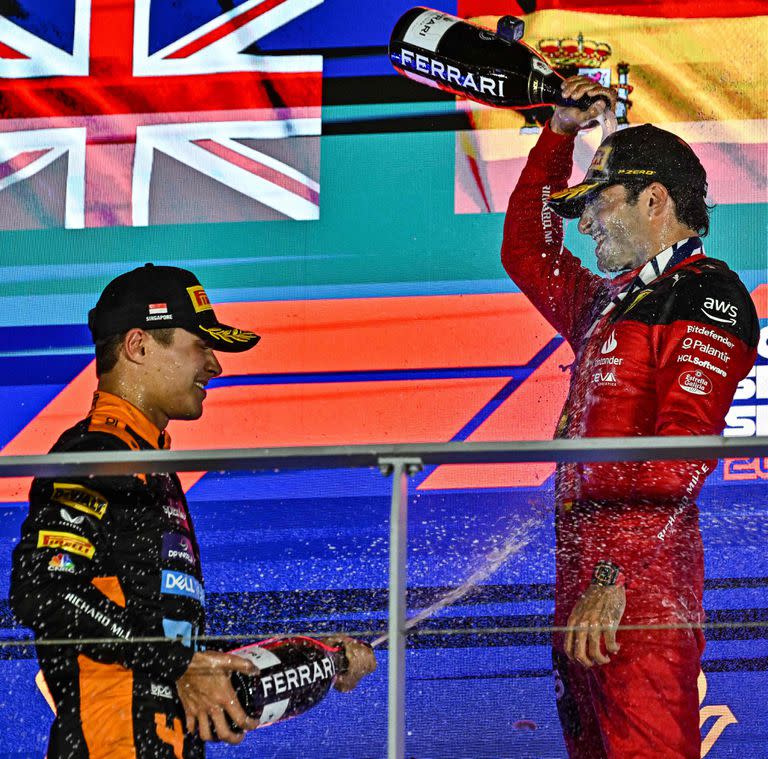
[(619, 228), (178, 373)]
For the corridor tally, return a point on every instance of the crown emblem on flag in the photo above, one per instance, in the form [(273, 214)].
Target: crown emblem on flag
[(576, 55), (575, 52)]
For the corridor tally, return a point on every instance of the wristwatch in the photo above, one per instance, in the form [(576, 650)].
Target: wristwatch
[(606, 574)]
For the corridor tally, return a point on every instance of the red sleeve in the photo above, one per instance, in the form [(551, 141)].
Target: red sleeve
[(532, 252), (699, 363)]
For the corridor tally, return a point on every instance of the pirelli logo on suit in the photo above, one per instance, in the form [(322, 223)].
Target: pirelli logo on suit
[(67, 542), (80, 497)]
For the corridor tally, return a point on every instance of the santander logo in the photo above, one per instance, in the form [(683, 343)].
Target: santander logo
[(610, 344)]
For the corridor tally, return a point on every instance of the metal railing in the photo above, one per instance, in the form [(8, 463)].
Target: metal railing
[(400, 462)]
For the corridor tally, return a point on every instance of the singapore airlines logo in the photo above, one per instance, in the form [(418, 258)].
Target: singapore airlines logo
[(722, 714), (610, 344)]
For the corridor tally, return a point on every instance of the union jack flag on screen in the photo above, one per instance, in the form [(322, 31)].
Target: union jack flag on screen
[(137, 112)]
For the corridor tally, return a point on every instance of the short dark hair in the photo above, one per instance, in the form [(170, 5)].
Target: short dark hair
[(691, 207), (108, 350)]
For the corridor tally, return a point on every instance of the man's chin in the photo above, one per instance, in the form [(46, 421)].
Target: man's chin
[(188, 415), (607, 267), (611, 267)]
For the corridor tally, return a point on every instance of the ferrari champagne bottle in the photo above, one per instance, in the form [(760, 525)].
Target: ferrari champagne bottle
[(295, 674), (443, 51)]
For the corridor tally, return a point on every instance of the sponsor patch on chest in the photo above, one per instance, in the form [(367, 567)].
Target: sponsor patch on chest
[(177, 546), (79, 497), (66, 540), (181, 584), (604, 377), (176, 514), (61, 562), (695, 382)]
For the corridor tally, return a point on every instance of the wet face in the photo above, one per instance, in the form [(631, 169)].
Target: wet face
[(619, 228), (178, 373)]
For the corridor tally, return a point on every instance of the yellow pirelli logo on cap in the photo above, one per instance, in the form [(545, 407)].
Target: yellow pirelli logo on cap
[(79, 497), (66, 541), (199, 299)]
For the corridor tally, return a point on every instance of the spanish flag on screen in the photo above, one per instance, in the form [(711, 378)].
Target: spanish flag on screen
[(696, 67)]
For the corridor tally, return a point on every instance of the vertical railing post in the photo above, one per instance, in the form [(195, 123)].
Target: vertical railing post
[(400, 469)]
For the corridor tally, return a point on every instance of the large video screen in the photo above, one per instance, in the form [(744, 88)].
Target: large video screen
[(353, 218)]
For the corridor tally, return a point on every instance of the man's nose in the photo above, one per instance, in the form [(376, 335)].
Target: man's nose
[(212, 365), (585, 222)]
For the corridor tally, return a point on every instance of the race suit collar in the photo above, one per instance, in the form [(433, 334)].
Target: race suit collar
[(665, 261), (669, 259), (107, 406)]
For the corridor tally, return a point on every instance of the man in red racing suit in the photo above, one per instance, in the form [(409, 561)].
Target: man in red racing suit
[(659, 350)]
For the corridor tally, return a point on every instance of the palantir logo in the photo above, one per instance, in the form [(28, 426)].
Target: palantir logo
[(610, 344)]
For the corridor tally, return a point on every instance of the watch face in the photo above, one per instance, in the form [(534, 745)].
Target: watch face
[(605, 573)]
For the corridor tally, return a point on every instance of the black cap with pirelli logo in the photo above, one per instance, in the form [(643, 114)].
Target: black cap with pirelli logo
[(637, 155), (159, 297)]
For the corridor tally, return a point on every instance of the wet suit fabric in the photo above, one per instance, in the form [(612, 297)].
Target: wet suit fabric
[(112, 558), (658, 351)]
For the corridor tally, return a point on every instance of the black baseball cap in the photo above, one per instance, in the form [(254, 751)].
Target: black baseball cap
[(160, 297), (639, 155)]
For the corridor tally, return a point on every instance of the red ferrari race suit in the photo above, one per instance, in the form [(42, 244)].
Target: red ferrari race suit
[(112, 558), (658, 351)]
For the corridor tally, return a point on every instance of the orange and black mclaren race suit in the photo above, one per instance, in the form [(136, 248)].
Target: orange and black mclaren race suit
[(111, 558), (658, 351)]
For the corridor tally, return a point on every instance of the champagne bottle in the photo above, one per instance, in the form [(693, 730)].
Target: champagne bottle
[(445, 52), (295, 674)]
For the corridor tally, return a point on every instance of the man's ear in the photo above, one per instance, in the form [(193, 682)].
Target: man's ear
[(657, 199), (135, 345)]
